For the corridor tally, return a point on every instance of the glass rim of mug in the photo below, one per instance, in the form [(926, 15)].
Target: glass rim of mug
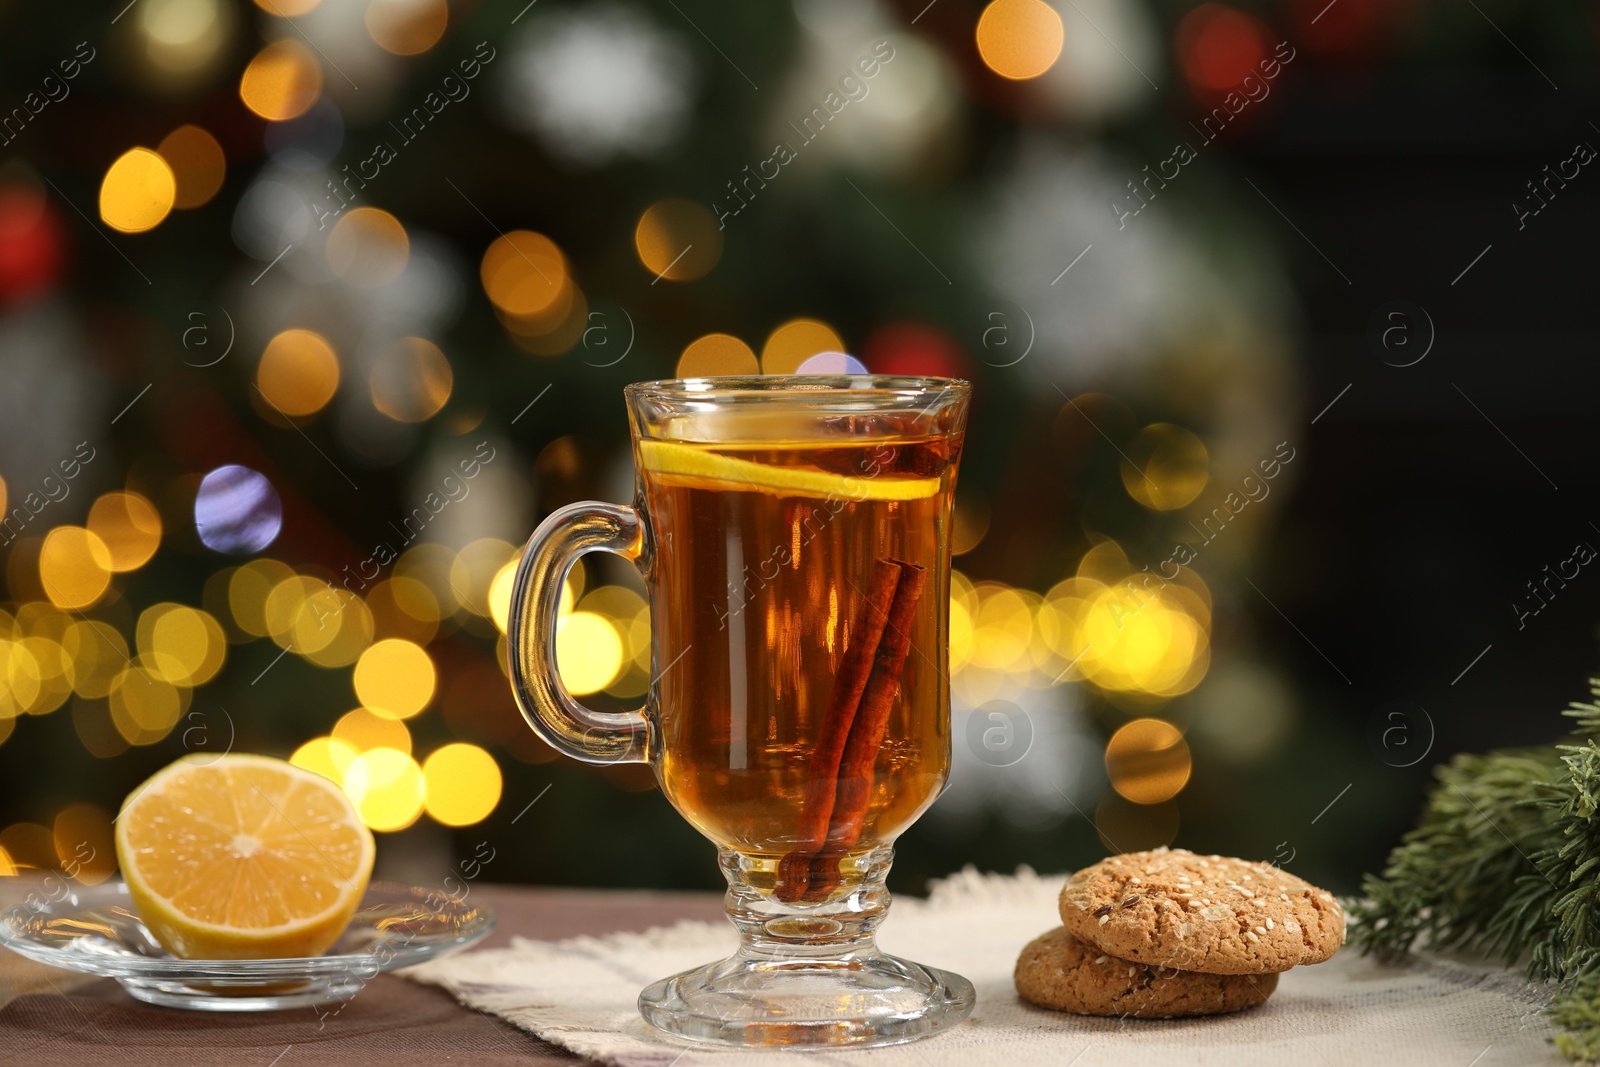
[(816, 386)]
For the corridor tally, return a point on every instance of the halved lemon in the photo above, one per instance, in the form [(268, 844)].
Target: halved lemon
[(243, 857), (713, 470)]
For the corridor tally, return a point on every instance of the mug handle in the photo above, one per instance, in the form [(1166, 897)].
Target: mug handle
[(555, 715)]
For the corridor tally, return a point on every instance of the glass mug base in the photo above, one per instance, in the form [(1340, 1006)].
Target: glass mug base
[(808, 975), (856, 1001)]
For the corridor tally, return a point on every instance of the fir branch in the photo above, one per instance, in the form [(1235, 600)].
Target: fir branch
[(1505, 860), (1576, 1010), (1454, 880)]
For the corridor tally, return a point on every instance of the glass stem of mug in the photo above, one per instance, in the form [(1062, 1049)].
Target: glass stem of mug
[(839, 928)]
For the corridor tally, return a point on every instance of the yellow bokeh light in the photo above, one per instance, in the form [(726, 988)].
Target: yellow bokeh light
[(84, 845), (962, 590), (1166, 467), (407, 27), (553, 332), (411, 380), (130, 527), (51, 661), (795, 342), (314, 610), (144, 706), (180, 644), (960, 634), (248, 591), (678, 239), (631, 681), (1002, 627), (286, 604), (298, 373), (395, 677), (588, 652), (625, 609), (403, 607), (505, 578), (197, 162), (287, 8), (74, 567), (97, 652), (326, 756), (282, 81), (463, 784), (577, 581), (524, 273), (429, 562), (1105, 563), (183, 39), (615, 602), (1059, 646), (500, 594), (137, 192), (29, 845), (387, 788), (42, 618), (474, 570), (341, 634), (551, 318), (1148, 761), (717, 354), (23, 679), (364, 730), (639, 632), (368, 247), (55, 673), (1019, 39), (1141, 640), (969, 523), (8, 867)]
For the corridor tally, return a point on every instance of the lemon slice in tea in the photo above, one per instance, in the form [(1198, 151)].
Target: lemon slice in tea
[(703, 468)]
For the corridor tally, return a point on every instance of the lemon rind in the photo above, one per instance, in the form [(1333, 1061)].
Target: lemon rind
[(679, 462)]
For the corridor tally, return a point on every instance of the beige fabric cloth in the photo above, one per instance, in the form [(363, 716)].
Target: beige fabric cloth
[(580, 994)]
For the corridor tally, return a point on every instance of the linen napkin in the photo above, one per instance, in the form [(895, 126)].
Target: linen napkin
[(580, 994)]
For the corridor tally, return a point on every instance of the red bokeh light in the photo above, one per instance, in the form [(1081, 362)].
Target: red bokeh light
[(912, 348), (1217, 46), (32, 246)]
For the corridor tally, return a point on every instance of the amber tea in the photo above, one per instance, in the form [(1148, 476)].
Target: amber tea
[(801, 593)]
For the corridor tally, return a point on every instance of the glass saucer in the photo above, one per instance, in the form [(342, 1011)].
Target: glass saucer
[(95, 929)]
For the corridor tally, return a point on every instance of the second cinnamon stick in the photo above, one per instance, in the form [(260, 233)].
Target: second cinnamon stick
[(854, 675), (853, 797)]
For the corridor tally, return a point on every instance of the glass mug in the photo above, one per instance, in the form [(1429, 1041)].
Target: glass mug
[(793, 534)]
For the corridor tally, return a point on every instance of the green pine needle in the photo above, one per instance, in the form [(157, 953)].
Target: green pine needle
[(1576, 1011), (1504, 862)]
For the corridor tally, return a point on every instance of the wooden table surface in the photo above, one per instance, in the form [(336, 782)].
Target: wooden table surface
[(50, 1016)]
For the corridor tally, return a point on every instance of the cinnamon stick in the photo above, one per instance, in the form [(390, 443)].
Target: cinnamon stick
[(854, 792), (854, 674)]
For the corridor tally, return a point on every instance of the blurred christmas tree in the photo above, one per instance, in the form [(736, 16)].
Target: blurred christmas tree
[(325, 304)]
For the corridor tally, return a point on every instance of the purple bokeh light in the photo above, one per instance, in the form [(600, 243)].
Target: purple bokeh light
[(832, 363), (237, 511)]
